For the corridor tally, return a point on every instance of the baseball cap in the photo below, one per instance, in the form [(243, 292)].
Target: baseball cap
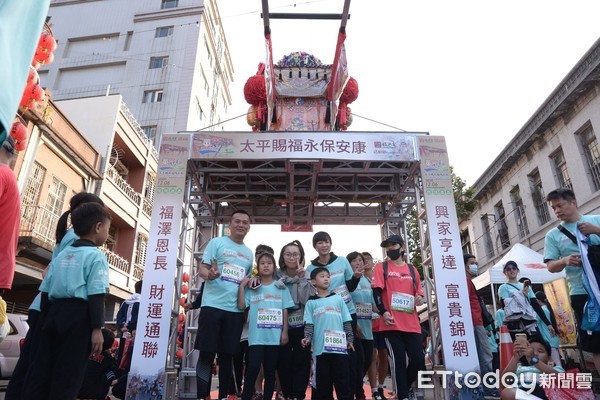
[(392, 239), (9, 144), (510, 262)]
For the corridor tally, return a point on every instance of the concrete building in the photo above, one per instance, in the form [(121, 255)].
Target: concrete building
[(169, 59), (557, 147), (102, 150)]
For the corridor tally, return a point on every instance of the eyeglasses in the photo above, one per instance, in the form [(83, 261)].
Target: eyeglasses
[(291, 255), (510, 268)]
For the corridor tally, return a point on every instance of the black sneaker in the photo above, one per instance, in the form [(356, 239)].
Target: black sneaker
[(378, 396), (381, 394)]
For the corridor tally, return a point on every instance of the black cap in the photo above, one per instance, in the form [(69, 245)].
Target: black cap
[(511, 262), (391, 240)]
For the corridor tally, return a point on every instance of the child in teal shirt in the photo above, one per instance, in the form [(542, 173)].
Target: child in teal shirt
[(268, 325), (328, 328), (72, 309)]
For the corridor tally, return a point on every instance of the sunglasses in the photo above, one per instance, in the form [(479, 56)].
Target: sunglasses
[(510, 268)]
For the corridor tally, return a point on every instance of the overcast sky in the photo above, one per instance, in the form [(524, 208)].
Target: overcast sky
[(473, 71)]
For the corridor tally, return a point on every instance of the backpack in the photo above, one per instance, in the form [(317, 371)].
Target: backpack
[(411, 268)]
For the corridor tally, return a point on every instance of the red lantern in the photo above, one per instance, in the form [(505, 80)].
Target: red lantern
[(182, 318), (185, 277), (33, 77), (18, 131), (41, 56), (179, 342), (182, 301), (179, 354), (179, 328), (47, 43), (21, 145), (184, 289)]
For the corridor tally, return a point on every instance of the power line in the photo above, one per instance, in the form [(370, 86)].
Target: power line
[(377, 122)]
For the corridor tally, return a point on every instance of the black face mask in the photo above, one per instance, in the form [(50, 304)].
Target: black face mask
[(394, 254)]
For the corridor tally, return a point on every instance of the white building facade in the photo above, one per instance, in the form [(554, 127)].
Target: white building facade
[(557, 147), (169, 59)]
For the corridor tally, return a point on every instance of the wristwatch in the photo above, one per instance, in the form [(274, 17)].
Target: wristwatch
[(534, 360)]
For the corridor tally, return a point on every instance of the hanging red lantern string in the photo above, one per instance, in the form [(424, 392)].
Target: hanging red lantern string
[(185, 277), (349, 94), (184, 289), (255, 93)]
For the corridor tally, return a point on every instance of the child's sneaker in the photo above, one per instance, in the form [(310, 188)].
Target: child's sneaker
[(377, 396)]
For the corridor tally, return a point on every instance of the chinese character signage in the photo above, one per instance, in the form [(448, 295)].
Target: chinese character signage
[(305, 145), (452, 294), (154, 319)]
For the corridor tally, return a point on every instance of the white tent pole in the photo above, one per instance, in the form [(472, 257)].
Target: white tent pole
[(494, 299)]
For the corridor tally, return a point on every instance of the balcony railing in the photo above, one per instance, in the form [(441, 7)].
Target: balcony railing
[(39, 223), (138, 272), (137, 128), (130, 192), (116, 261), (147, 206)]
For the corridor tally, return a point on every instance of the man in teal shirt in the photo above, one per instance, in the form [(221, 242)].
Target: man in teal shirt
[(561, 252), (225, 263)]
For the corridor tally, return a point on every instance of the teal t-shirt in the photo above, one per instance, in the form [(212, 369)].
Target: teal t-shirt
[(266, 314), (554, 342), (328, 315), (505, 290), (499, 317), (340, 271), (531, 373), (76, 273), (557, 245), (234, 263), (66, 241), (363, 302), (492, 339)]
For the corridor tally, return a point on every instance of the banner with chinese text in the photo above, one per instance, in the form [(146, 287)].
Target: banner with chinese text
[(154, 319), (393, 146), (452, 296)]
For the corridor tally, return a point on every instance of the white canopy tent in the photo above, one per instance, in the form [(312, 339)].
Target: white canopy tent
[(531, 265)]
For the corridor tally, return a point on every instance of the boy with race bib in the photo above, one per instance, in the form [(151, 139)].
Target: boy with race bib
[(328, 328)]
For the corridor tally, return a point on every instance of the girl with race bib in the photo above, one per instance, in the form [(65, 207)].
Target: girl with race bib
[(363, 302), (268, 325)]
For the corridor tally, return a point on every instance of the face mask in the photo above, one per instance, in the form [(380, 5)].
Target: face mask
[(394, 254), (473, 269)]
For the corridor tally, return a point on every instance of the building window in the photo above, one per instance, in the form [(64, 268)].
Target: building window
[(163, 31), (589, 143), (31, 194), (150, 131), (487, 237), (199, 109), (142, 247), (560, 169), (55, 202), (503, 238), (206, 86), (158, 62), (169, 4), (519, 207), (152, 96), (465, 242), (208, 53), (539, 197)]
